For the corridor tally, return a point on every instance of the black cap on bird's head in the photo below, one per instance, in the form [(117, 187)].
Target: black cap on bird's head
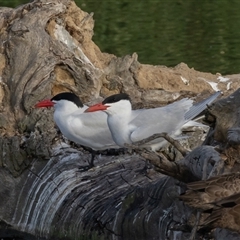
[(116, 97), (60, 96), (68, 96)]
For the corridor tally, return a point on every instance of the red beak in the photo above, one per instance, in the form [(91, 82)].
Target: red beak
[(44, 103), (96, 107)]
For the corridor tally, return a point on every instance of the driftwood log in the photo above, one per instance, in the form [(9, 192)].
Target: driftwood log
[(47, 48)]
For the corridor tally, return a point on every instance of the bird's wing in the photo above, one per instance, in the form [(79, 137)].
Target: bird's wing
[(163, 119), (167, 119), (92, 130)]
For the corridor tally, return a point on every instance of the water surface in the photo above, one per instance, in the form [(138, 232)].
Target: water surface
[(203, 34)]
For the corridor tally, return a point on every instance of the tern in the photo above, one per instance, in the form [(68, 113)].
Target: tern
[(89, 130), (126, 129)]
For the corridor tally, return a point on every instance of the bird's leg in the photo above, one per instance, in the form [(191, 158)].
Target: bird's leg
[(90, 163), (93, 155)]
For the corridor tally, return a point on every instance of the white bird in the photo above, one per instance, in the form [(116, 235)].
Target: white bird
[(90, 130), (128, 129)]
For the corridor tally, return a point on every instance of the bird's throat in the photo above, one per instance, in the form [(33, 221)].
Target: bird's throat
[(120, 129)]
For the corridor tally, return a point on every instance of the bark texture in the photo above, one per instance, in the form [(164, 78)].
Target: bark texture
[(47, 48)]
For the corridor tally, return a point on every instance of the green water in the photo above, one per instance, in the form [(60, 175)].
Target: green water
[(205, 34)]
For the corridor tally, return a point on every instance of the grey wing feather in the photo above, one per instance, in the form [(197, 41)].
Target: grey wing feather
[(157, 120), (200, 107), (167, 119), (92, 130)]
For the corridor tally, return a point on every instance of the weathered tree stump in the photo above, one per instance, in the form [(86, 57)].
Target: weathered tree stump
[(47, 48)]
